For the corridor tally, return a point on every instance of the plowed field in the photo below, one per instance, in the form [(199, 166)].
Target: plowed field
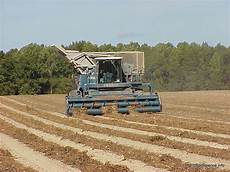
[(191, 134)]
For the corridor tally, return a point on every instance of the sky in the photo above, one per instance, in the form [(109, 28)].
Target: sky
[(113, 21)]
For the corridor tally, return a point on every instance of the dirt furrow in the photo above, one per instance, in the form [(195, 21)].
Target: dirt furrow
[(183, 155), (173, 131), (99, 155), (31, 158), (29, 121), (8, 163), (32, 101), (195, 141), (162, 120), (135, 125), (152, 134), (166, 127), (159, 161), (214, 104), (201, 109), (195, 119), (130, 121), (57, 100), (58, 103), (65, 154), (135, 131), (70, 156), (216, 130)]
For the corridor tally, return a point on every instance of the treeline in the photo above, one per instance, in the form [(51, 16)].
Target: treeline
[(34, 69), (39, 69)]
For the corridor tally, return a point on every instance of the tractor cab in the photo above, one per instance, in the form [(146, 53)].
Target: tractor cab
[(109, 70)]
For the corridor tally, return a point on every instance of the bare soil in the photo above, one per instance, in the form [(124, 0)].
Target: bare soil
[(9, 164), (157, 140), (167, 118), (151, 159), (29, 157), (201, 116), (66, 154), (45, 127)]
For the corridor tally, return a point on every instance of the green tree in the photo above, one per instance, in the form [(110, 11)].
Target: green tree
[(39, 69)]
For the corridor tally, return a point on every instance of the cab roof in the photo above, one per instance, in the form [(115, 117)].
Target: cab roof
[(108, 58)]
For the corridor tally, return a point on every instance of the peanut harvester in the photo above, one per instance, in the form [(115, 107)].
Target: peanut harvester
[(110, 79)]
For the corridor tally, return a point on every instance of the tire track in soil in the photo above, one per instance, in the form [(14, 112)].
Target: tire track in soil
[(179, 154), (97, 154), (30, 158), (205, 133)]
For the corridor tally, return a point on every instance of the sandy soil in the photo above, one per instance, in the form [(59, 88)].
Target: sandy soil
[(194, 128), (184, 156), (99, 155), (214, 104), (174, 131), (179, 121), (149, 137), (64, 153), (9, 164), (163, 158), (126, 152), (33, 159), (194, 104), (163, 122), (135, 131)]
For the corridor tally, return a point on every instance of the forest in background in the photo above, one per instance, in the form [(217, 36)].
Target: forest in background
[(40, 69)]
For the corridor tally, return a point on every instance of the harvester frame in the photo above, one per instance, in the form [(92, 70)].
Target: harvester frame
[(108, 79)]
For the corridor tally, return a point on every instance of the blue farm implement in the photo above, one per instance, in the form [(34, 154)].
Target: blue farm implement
[(110, 79)]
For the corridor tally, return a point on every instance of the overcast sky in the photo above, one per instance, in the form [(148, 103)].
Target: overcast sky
[(113, 21)]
